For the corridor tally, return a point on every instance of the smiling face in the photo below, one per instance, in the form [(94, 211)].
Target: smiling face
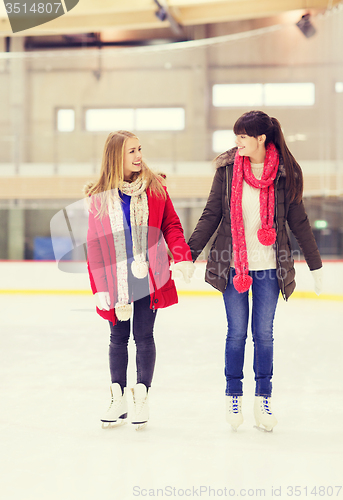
[(132, 158), (254, 147)]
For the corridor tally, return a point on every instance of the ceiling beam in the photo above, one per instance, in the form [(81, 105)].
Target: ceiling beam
[(244, 9), (90, 16)]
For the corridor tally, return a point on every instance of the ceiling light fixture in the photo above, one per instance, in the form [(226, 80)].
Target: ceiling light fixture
[(305, 26), (163, 14)]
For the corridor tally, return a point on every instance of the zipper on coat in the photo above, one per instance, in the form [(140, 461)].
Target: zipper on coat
[(154, 288), (228, 201), (276, 241)]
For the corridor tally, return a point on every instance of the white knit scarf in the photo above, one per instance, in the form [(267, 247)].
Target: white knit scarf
[(139, 214)]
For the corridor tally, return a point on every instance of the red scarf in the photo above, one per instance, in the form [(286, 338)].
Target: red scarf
[(266, 234)]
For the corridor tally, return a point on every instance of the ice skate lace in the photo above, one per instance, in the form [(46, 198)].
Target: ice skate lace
[(139, 405), (235, 404), (114, 403), (266, 406)]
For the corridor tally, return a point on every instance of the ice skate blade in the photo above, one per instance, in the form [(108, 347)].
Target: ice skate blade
[(140, 426), (262, 429), (234, 428), (113, 425)]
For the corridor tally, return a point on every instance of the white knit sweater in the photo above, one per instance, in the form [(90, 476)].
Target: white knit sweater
[(260, 257)]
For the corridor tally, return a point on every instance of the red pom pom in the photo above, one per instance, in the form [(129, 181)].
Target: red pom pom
[(242, 282), (266, 236)]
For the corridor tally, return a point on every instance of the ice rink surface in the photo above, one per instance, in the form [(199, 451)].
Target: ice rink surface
[(55, 386)]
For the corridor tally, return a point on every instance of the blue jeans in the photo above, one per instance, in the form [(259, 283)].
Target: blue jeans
[(143, 328), (265, 293)]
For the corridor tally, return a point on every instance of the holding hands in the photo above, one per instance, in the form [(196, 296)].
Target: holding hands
[(184, 270)]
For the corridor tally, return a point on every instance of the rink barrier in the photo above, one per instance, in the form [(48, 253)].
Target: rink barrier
[(189, 293), (295, 295), (45, 278)]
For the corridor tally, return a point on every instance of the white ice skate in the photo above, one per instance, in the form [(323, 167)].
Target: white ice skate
[(234, 411), (265, 420), (140, 414), (116, 414)]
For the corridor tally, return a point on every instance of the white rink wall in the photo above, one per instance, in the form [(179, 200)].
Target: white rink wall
[(27, 276)]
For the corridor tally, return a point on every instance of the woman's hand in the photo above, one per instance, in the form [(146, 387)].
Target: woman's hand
[(318, 280), (184, 269), (102, 300)]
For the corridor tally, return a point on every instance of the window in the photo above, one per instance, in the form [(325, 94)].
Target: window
[(222, 140), (268, 94), (245, 94), (296, 137), (160, 119), (339, 87), (106, 120), (289, 94), (65, 120)]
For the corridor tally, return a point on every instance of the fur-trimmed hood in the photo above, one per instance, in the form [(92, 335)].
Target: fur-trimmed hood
[(228, 158)]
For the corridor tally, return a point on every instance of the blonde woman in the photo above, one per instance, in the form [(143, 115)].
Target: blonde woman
[(131, 217)]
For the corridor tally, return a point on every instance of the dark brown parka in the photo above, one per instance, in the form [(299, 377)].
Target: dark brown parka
[(217, 213)]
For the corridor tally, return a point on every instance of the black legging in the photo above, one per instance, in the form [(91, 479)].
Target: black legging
[(143, 334)]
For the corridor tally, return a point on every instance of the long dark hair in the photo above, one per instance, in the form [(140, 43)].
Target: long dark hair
[(255, 123)]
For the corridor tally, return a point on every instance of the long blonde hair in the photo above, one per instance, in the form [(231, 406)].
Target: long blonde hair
[(112, 172)]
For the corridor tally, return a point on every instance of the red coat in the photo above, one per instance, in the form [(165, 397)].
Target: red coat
[(163, 220)]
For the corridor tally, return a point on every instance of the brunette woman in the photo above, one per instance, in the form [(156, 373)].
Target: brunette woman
[(257, 188)]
